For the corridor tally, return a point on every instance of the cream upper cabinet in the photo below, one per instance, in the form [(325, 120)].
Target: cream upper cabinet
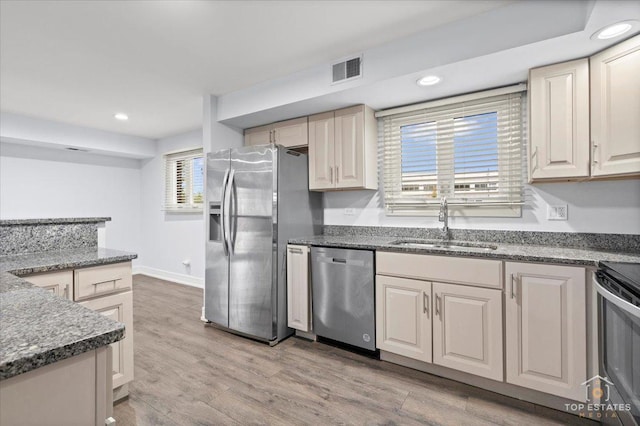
[(467, 329), (559, 126), (298, 301), (546, 328), (343, 150), (615, 109), (321, 149), (258, 135), (403, 317), (290, 134), (59, 283), (118, 307)]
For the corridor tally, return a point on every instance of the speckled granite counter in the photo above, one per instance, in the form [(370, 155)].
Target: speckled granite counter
[(515, 252), (53, 221), (38, 328), (31, 263)]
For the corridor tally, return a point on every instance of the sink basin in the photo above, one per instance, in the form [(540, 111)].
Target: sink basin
[(441, 244)]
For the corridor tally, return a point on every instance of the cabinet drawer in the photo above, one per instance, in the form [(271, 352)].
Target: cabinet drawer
[(99, 280), (477, 272), (59, 283)]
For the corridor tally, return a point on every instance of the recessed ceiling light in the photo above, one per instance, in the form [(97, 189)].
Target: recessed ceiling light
[(121, 116), (612, 31), (429, 80)]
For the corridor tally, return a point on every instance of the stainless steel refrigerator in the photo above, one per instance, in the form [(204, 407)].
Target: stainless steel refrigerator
[(257, 198)]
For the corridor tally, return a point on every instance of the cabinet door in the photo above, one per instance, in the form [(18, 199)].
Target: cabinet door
[(258, 135), (298, 287), (291, 133), (59, 283), (321, 151), (546, 328), (559, 138), (118, 307), (403, 317), (349, 147), (615, 109), (467, 329)]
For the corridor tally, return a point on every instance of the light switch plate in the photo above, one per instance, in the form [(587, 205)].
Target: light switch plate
[(350, 211), (557, 212)]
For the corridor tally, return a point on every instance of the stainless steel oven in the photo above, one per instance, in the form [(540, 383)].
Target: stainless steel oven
[(618, 287)]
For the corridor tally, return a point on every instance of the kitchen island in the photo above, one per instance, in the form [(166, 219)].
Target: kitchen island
[(55, 355)]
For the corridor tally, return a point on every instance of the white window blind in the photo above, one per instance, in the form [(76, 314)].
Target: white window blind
[(470, 152), (184, 181)]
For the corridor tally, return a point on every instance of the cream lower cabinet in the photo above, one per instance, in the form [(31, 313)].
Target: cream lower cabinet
[(467, 329), (403, 317), (118, 307), (73, 391), (298, 301), (106, 289), (59, 283), (615, 109), (546, 328)]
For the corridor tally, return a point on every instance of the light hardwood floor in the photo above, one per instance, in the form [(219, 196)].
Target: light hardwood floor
[(189, 374)]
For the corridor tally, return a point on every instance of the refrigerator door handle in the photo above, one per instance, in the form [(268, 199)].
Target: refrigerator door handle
[(227, 211), (223, 221)]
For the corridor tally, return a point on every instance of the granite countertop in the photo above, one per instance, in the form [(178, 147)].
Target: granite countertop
[(515, 252), (38, 328), (53, 221)]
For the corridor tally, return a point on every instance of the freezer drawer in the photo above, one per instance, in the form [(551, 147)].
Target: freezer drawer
[(343, 295)]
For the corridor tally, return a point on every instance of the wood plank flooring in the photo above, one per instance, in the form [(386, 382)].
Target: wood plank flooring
[(189, 374)]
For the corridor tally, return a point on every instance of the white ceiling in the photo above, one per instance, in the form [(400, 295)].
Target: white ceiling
[(79, 62)]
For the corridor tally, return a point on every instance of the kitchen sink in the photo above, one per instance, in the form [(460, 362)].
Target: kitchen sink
[(441, 244)]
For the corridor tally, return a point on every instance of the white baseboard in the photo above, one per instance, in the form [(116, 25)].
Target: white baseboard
[(169, 276)]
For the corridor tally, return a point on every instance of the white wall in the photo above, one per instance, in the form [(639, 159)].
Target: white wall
[(168, 239), (38, 182), (601, 207)]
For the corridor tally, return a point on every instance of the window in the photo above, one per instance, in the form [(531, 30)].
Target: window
[(470, 151), (184, 181)]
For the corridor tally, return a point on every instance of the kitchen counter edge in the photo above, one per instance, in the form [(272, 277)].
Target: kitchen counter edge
[(511, 252)]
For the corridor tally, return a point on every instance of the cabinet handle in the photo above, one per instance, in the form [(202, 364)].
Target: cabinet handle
[(438, 302), (295, 250), (425, 303), (66, 291), (330, 174), (337, 174), (594, 146), (108, 281), (512, 280)]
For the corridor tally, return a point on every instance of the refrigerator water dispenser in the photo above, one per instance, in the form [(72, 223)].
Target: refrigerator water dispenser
[(215, 223)]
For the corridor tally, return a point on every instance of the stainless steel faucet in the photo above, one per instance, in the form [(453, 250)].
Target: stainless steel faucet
[(443, 216)]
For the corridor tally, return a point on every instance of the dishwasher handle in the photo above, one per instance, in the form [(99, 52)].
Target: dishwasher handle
[(340, 261)]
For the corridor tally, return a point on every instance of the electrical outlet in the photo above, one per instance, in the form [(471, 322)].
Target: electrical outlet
[(349, 211), (558, 212)]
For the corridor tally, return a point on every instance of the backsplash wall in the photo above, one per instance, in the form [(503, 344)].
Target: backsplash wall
[(599, 207)]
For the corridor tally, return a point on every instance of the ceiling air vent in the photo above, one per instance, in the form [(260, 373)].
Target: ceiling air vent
[(347, 70)]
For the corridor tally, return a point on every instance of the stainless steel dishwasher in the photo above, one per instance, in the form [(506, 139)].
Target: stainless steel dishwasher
[(343, 296)]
